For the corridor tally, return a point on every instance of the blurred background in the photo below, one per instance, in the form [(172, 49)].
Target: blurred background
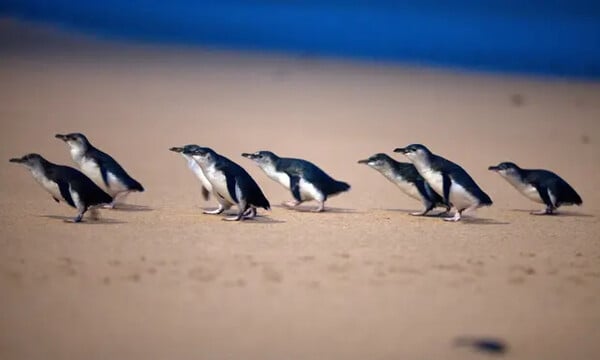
[(560, 37), (330, 81)]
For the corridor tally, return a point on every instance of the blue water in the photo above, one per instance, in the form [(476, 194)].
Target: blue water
[(542, 37)]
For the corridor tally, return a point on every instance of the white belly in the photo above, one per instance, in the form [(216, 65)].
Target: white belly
[(461, 198), (528, 190), (309, 192), (409, 189), (434, 179), (218, 184), (115, 185), (47, 184), (197, 170), (278, 176), (92, 170)]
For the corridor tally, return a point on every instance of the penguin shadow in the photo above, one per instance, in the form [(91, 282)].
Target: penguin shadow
[(262, 219), (85, 220), (432, 214), (492, 346), (481, 221), (557, 213), (309, 209), (131, 207)]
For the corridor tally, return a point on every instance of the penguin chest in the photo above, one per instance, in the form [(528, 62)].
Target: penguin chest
[(278, 176), (197, 170), (433, 178), (308, 191), (218, 181), (49, 185), (91, 169), (408, 188), (528, 190)]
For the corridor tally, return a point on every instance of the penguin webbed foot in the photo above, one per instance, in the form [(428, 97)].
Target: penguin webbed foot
[(546, 211), (216, 211), (76, 219), (419, 213), (320, 207), (455, 218)]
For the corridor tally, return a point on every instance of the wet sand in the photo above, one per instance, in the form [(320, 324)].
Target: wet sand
[(364, 280)]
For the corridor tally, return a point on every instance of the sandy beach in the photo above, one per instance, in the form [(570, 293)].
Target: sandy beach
[(364, 280)]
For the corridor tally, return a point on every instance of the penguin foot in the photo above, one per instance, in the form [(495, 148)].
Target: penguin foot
[(250, 213), (234, 218), (76, 219), (419, 213), (217, 211), (543, 212), (319, 208), (109, 206), (454, 218)]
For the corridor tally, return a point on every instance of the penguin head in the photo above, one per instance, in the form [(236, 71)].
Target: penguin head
[(202, 155), (505, 168), (415, 152), (377, 161), (262, 158), (76, 141), (30, 161), (184, 150)]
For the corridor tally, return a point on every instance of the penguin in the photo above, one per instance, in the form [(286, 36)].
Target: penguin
[(230, 183), (206, 186), (448, 179), (541, 186), (100, 167), (304, 179), (407, 178), (65, 184)]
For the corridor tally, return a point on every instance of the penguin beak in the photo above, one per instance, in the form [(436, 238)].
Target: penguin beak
[(248, 156), (16, 160), (62, 137), (400, 150), (177, 149), (365, 161), (493, 168)]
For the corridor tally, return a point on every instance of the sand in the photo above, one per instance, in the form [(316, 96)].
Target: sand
[(364, 280)]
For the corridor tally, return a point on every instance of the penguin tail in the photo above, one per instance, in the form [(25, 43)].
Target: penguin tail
[(265, 204), (339, 186), (486, 200), (136, 186)]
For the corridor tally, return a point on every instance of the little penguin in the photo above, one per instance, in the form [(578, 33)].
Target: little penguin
[(100, 167), (448, 179), (304, 179), (230, 183), (185, 151), (407, 178), (541, 186), (65, 184)]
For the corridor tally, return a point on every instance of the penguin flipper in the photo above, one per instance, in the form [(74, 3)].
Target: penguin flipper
[(231, 188), (63, 186), (295, 187), (205, 193), (447, 183), (543, 191)]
